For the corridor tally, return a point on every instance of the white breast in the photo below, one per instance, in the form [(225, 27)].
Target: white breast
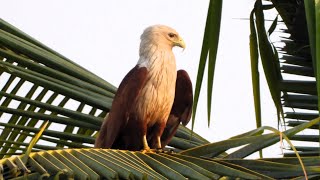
[(158, 92)]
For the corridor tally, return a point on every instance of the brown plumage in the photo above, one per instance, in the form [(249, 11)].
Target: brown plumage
[(152, 99)]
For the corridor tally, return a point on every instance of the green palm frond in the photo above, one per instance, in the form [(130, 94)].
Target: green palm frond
[(290, 69), (208, 51), (47, 86), (203, 162), (299, 62)]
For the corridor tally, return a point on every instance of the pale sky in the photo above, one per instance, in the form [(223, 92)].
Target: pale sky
[(104, 37)]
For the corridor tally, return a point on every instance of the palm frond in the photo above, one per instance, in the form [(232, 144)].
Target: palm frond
[(299, 62), (208, 51), (204, 162)]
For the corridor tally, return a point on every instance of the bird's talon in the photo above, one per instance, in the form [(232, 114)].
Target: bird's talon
[(159, 150), (145, 150)]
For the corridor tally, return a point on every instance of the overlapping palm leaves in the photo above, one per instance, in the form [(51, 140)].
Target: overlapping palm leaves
[(299, 63)]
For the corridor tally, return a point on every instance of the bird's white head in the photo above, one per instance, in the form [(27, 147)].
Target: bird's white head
[(156, 44), (161, 36)]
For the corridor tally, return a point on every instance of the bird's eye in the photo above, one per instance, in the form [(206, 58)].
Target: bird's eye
[(171, 35)]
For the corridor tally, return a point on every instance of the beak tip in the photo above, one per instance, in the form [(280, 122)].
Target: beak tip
[(182, 44)]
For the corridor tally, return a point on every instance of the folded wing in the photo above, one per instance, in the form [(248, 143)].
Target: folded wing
[(122, 105)]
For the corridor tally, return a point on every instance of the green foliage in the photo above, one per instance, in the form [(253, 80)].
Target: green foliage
[(254, 57), (299, 60), (269, 59), (209, 48), (203, 162)]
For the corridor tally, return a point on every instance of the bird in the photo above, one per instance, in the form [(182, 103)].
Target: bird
[(152, 99)]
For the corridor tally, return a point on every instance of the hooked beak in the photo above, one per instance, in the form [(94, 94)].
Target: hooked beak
[(180, 43)]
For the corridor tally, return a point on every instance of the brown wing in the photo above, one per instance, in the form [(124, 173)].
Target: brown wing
[(127, 92), (182, 107)]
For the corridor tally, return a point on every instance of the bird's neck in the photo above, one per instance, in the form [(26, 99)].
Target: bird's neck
[(154, 56)]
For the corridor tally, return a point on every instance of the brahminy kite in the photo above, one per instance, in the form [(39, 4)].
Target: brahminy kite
[(152, 99)]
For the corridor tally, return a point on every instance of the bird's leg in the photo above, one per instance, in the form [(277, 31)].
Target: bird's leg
[(160, 128), (158, 142), (145, 143), (146, 148), (158, 145), (156, 139)]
